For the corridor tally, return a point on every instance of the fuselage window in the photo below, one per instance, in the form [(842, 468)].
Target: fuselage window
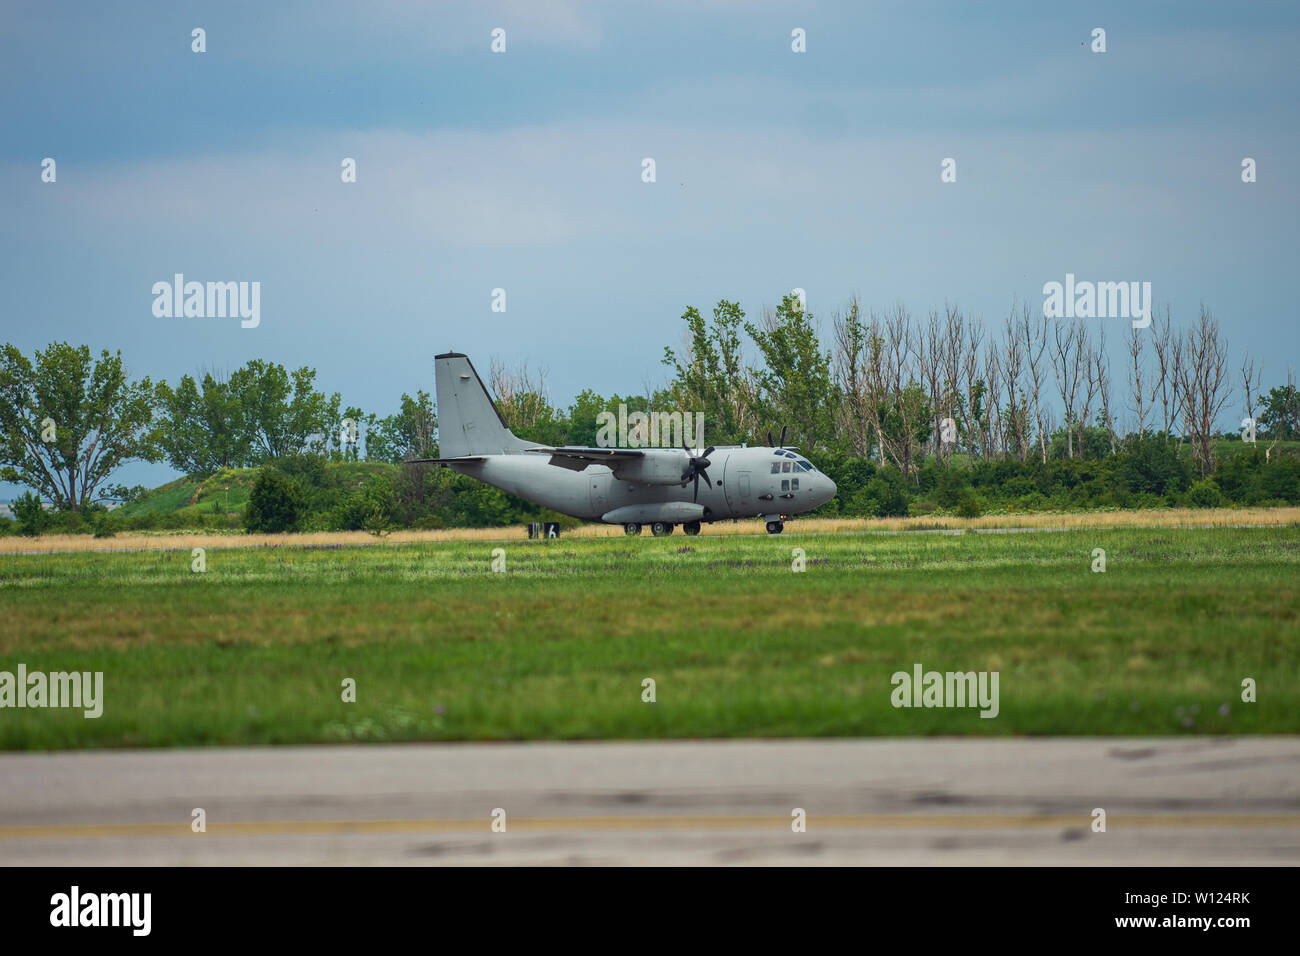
[(785, 484), (776, 468), (785, 466), (794, 484)]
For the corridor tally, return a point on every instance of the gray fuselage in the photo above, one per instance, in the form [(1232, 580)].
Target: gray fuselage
[(742, 483)]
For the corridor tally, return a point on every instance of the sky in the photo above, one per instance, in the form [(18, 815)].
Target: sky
[(522, 171)]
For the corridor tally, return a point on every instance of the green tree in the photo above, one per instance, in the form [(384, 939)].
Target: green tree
[(711, 377), (202, 427), (283, 414), (30, 514), (795, 386), (1280, 417), (68, 421), (407, 434), (276, 503), (583, 415)]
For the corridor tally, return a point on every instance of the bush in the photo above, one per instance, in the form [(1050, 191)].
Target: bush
[(1151, 465), (884, 496), (1029, 503), (969, 507), (30, 514), (951, 489), (1281, 479), (1204, 494), (105, 524), (275, 504), (67, 522), (370, 508)]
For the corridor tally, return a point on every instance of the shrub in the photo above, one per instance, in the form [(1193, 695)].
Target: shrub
[(1151, 464), (275, 504), (1281, 479), (67, 522), (969, 507), (30, 514), (105, 524), (371, 508), (1205, 494)]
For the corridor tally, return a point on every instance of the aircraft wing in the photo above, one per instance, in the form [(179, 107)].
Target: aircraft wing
[(590, 454), (577, 457)]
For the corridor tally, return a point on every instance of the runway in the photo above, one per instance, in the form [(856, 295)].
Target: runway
[(1168, 801)]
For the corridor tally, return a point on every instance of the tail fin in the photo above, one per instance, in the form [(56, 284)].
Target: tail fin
[(468, 420)]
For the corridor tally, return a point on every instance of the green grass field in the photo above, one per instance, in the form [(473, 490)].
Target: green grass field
[(255, 649)]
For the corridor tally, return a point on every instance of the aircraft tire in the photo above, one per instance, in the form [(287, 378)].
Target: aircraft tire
[(631, 529), (775, 527), (661, 528), (691, 527)]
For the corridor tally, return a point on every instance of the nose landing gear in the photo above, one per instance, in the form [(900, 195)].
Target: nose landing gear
[(775, 527)]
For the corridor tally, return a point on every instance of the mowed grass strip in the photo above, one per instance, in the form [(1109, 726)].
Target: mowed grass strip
[(255, 649)]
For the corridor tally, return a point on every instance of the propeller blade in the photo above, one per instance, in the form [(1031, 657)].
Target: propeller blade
[(696, 496), (770, 443), (782, 436), (707, 452)]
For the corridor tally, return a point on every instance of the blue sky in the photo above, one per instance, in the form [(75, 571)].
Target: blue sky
[(522, 171)]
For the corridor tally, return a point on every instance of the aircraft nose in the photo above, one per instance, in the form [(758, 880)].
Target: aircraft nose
[(829, 491)]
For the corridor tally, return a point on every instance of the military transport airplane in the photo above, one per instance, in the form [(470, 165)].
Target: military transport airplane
[(662, 487)]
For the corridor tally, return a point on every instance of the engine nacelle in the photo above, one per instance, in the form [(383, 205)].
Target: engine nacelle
[(657, 469)]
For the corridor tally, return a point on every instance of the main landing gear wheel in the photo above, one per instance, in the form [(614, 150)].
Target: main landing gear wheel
[(691, 527), (775, 527), (661, 528), (631, 528)]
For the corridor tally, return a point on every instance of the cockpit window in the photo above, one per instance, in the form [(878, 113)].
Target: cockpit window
[(802, 465)]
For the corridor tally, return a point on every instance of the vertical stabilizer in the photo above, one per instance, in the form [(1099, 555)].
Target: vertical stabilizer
[(468, 420)]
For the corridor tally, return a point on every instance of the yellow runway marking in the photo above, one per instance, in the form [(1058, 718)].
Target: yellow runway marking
[(878, 821)]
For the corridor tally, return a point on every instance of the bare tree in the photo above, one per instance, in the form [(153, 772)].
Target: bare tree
[(1101, 374), (1205, 385), (850, 360), (1086, 354), (521, 394), (932, 354), (975, 386), (954, 333), (1136, 344), (1169, 360), (992, 424), (902, 387), (1251, 379), (1034, 336), (1012, 374), (1068, 366)]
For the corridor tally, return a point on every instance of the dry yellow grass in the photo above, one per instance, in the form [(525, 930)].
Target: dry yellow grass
[(1187, 517)]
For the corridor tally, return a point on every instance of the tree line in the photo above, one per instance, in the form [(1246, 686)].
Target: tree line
[(907, 414)]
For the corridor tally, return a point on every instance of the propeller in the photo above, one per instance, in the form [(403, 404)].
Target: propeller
[(695, 467), (772, 443)]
